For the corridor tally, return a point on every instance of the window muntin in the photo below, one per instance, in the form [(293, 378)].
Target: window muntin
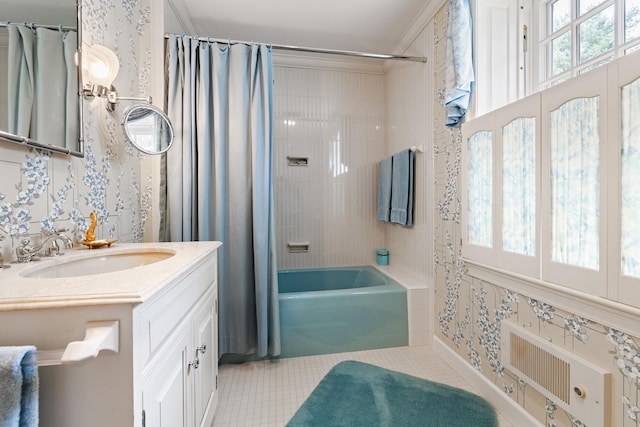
[(519, 186), (480, 189), (630, 176), (575, 186), (595, 65)]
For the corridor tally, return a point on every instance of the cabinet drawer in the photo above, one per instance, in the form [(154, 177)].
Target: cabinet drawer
[(164, 313)]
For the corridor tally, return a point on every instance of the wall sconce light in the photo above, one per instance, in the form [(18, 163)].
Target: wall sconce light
[(101, 66)]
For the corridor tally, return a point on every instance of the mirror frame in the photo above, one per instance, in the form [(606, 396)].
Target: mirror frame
[(23, 140), (158, 111)]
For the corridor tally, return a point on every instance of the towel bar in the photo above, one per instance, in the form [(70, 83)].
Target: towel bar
[(99, 335)]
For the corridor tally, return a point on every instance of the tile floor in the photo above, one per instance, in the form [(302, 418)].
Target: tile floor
[(267, 393)]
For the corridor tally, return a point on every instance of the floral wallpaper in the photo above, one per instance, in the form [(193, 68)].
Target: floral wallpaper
[(41, 191), (469, 311)]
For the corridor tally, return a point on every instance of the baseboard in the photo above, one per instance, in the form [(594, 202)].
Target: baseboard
[(508, 408)]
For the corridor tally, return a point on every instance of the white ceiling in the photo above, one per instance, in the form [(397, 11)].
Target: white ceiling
[(359, 25)]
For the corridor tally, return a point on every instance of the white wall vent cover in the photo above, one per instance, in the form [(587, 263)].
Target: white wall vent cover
[(577, 386)]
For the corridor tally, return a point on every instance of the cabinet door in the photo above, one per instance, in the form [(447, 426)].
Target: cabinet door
[(206, 341), (165, 395)]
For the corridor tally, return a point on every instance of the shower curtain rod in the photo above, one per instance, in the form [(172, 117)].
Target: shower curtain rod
[(34, 25), (314, 49)]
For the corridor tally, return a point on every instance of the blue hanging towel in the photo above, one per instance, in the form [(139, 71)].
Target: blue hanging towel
[(459, 74), (18, 387), (402, 188), (384, 189)]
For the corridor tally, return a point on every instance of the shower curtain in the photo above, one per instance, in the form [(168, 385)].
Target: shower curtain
[(218, 178), (43, 84)]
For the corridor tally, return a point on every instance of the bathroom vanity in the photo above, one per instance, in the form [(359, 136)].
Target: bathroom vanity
[(165, 304)]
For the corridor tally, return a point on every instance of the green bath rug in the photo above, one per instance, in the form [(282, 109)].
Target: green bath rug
[(355, 394)]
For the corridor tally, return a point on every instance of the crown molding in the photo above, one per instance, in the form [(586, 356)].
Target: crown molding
[(326, 62), (415, 28), (179, 9)]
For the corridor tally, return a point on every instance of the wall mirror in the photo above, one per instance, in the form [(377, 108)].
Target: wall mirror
[(148, 128), (40, 104)]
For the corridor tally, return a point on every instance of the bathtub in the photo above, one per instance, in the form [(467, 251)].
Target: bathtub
[(334, 310)]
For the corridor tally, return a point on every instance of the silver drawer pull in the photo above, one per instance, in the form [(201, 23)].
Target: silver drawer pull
[(202, 349), (194, 364)]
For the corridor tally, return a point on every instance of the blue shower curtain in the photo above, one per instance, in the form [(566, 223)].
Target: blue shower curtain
[(218, 180), (43, 84)]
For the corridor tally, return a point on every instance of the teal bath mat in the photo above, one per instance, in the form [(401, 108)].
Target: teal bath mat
[(355, 394)]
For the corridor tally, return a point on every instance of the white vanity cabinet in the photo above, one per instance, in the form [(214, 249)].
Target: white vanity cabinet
[(164, 373), (179, 363), (206, 376)]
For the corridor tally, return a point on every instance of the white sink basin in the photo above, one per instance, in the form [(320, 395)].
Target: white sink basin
[(97, 265)]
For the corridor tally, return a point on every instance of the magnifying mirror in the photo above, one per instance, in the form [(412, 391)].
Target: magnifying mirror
[(148, 128)]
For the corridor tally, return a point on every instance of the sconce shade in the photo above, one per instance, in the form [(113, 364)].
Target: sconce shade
[(101, 65)]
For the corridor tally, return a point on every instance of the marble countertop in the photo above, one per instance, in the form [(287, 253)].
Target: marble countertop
[(133, 285)]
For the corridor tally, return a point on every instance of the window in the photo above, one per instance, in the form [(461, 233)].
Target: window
[(576, 36), (531, 45)]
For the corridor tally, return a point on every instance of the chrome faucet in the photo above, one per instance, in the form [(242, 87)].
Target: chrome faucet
[(48, 247)]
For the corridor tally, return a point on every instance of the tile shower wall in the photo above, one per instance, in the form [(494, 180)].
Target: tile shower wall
[(408, 104), (408, 101), (336, 119), (40, 190), (469, 311)]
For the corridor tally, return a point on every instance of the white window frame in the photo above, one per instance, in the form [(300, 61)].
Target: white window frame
[(584, 86), (482, 254), (622, 288), (519, 263)]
